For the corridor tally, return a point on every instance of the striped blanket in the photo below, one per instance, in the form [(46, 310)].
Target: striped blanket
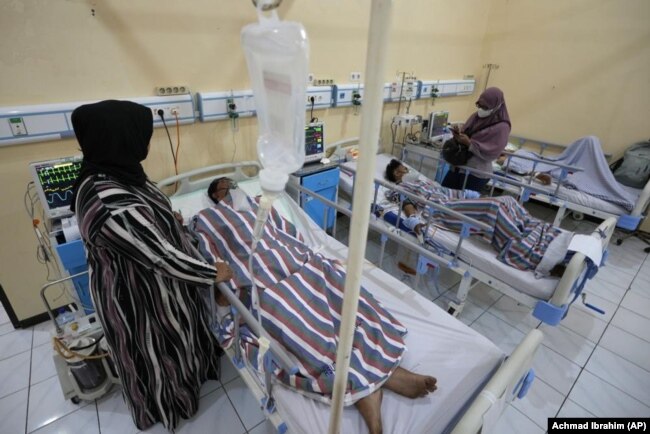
[(301, 294), (520, 239)]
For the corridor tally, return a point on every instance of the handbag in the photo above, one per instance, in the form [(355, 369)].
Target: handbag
[(456, 153)]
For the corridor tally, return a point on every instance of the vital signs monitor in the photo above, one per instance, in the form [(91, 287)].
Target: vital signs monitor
[(54, 180)]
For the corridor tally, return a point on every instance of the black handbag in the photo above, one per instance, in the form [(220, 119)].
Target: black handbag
[(456, 153)]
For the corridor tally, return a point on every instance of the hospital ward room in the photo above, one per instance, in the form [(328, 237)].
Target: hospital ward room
[(324, 216)]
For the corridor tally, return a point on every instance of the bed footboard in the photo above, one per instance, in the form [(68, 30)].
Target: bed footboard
[(512, 379), (573, 280)]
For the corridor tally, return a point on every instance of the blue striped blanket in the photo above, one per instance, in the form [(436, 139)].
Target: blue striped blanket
[(519, 239), (301, 294)]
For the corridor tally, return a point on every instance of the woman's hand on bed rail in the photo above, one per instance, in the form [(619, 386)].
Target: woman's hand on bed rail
[(224, 272)]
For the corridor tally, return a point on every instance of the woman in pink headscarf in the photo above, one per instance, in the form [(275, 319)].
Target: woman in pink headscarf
[(486, 134)]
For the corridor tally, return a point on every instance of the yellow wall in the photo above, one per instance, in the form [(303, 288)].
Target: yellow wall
[(58, 52), (568, 69), (573, 68)]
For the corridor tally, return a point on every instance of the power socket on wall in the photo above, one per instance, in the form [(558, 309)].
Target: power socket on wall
[(172, 90)]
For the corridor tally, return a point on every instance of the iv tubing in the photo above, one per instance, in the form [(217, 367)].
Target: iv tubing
[(378, 32)]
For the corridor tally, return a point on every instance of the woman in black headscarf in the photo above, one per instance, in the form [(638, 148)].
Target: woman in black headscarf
[(143, 274)]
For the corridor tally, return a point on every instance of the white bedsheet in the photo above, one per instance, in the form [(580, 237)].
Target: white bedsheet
[(460, 358)]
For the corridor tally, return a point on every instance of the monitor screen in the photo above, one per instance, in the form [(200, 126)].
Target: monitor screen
[(314, 142), (54, 180), (437, 124)]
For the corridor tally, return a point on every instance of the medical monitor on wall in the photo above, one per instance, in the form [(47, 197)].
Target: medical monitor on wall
[(437, 125), (314, 142), (54, 180)]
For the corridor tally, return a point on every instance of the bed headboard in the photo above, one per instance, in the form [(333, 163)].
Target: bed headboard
[(198, 179)]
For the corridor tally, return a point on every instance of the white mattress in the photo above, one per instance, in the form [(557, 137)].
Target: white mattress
[(345, 180), (476, 252), (438, 344)]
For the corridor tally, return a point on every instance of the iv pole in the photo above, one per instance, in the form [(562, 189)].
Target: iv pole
[(380, 20)]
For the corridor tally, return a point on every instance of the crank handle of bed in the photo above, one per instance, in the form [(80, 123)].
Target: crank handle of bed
[(589, 305), (278, 351)]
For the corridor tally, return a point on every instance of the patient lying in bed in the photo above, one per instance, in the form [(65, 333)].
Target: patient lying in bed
[(520, 239), (300, 302)]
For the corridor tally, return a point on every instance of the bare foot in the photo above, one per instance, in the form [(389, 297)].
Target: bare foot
[(370, 409), (410, 384)]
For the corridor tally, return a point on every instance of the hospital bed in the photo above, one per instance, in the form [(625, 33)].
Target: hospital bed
[(475, 260), (578, 202), (473, 379)]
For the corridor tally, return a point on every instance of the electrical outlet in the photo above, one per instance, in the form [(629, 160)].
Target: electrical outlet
[(169, 112), (355, 77), (310, 78), (323, 82), (172, 90)]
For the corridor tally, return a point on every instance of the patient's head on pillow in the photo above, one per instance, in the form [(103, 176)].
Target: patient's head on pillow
[(220, 187), (395, 171)]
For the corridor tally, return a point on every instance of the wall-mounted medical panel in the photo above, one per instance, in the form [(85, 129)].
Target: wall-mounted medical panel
[(215, 106), (348, 94), (323, 97), (172, 106), (40, 123), (455, 87)]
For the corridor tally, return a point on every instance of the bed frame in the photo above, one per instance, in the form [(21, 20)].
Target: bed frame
[(550, 311), (568, 289), (629, 222), (512, 380)]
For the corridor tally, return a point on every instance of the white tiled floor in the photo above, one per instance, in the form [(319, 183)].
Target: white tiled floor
[(591, 365)]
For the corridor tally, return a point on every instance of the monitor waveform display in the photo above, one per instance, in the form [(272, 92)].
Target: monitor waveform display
[(57, 181)]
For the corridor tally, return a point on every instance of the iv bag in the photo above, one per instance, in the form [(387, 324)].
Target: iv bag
[(277, 55)]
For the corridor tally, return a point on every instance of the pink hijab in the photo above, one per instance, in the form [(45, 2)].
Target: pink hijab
[(492, 97)]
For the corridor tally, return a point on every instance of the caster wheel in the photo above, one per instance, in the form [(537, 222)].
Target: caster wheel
[(451, 311), (647, 250), (75, 400), (619, 242)]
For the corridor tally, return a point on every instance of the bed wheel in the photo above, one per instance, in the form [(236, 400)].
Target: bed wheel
[(75, 400), (451, 311), (619, 242), (647, 250)]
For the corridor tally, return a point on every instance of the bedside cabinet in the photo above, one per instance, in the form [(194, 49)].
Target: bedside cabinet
[(324, 182)]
